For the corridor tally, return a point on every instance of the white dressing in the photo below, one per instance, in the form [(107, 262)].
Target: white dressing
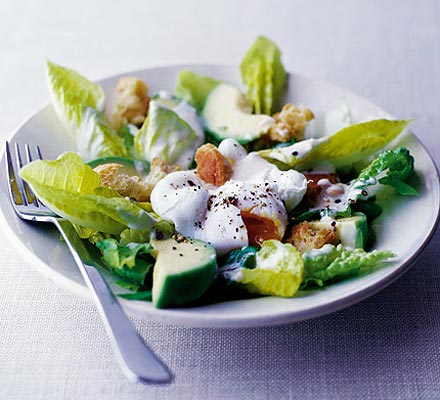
[(336, 196), (290, 185), (188, 114), (298, 150), (232, 150)]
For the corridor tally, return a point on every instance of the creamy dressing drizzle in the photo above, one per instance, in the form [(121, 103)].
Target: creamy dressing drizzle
[(336, 196), (323, 251)]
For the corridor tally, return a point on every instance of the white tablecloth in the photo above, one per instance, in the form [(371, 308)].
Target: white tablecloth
[(52, 343)]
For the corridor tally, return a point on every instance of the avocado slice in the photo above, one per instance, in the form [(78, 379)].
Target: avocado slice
[(225, 110), (228, 114), (183, 271), (352, 231)]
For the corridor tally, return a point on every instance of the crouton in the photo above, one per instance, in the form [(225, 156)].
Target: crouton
[(119, 178), (306, 238), (128, 184), (289, 124), (159, 169), (130, 101)]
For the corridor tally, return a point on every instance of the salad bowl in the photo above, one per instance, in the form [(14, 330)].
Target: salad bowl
[(404, 227)]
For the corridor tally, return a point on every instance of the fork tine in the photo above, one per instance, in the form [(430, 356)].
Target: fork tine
[(28, 153), (26, 192), (38, 151), (18, 156), (31, 198), (15, 191)]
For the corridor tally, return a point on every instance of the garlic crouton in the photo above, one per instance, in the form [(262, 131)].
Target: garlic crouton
[(119, 178), (306, 238), (289, 124), (130, 102), (159, 169), (128, 184)]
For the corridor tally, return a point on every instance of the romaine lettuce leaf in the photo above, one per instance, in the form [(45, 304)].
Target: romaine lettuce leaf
[(72, 189), (119, 256), (134, 236), (79, 104), (92, 235), (239, 258), (345, 147), (277, 269), (329, 263), (186, 112), (71, 93), (162, 229), (96, 138), (264, 76), (133, 261), (127, 134), (165, 135), (194, 88), (391, 167)]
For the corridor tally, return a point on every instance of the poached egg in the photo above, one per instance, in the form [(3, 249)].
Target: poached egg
[(221, 215)]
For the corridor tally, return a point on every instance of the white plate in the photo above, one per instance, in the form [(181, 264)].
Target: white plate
[(404, 228)]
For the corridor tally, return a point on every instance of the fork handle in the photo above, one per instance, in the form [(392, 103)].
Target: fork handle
[(137, 360)]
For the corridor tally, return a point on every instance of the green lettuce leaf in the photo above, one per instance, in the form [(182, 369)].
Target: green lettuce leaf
[(120, 256), (162, 229), (392, 168), (132, 262), (134, 236), (79, 104), (117, 255), (240, 258), (70, 188), (127, 134), (264, 76), (96, 138), (345, 147), (92, 235), (329, 263), (276, 269), (194, 88), (71, 93), (165, 135)]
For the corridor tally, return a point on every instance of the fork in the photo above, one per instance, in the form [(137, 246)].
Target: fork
[(137, 360)]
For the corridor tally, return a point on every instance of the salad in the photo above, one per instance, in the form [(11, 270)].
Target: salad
[(217, 192)]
